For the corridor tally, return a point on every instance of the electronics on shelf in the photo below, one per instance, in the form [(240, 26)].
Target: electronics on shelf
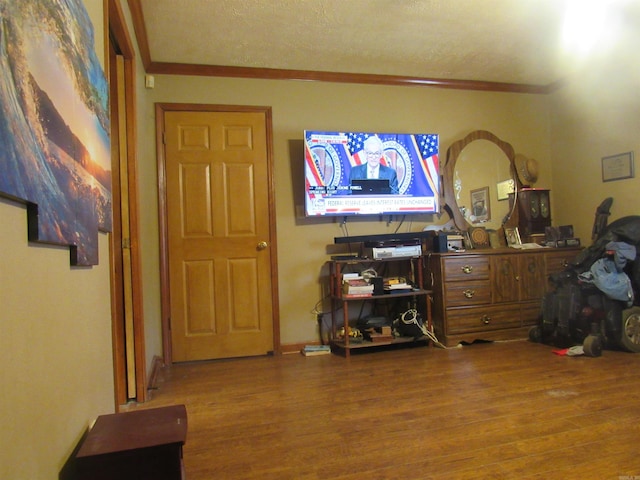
[(447, 242), (384, 246), (385, 237), (395, 251)]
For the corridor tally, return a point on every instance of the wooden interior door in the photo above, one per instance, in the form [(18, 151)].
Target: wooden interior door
[(129, 356), (219, 232)]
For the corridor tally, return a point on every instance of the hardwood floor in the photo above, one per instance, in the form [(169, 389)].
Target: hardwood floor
[(507, 410)]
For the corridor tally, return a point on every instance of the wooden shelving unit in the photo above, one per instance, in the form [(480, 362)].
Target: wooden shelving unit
[(410, 267)]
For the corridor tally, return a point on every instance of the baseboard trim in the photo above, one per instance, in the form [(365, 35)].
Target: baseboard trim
[(157, 364)]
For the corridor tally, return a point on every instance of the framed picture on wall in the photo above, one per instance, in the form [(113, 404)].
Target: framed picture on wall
[(506, 188), (480, 207), (617, 167)]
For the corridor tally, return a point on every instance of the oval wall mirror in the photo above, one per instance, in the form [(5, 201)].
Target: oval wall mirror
[(480, 181)]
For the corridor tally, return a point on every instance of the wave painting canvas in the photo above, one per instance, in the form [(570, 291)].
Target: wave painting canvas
[(54, 127)]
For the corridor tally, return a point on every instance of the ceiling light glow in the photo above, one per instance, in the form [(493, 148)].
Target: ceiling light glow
[(584, 24)]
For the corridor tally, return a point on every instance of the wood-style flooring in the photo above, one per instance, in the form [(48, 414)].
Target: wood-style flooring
[(505, 410)]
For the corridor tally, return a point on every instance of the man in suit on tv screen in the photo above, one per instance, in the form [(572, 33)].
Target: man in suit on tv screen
[(373, 169)]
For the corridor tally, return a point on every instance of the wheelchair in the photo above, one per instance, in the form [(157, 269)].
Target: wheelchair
[(576, 312)]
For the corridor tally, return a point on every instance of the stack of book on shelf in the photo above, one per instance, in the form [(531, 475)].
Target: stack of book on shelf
[(396, 285), (356, 286), (313, 350)]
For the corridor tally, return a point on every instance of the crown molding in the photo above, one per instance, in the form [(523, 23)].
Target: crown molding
[(164, 68)]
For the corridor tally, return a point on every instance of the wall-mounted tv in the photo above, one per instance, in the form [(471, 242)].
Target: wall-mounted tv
[(368, 173)]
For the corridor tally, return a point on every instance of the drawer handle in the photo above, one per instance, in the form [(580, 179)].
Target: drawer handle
[(486, 319), (467, 269), (469, 293)]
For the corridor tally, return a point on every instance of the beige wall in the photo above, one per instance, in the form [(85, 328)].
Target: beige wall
[(597, 115), (57, 373), (303, 243), (567, 132), (55, 339)]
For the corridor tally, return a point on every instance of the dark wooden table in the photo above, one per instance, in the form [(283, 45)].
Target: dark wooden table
[(140, 445)]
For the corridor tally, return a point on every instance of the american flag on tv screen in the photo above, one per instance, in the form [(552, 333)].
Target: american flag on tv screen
[(427, 146), (355, 144)]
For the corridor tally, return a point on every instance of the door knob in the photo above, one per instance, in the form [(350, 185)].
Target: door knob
[(262, 245)]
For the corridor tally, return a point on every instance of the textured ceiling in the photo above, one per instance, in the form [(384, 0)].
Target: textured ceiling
[(508, 41)]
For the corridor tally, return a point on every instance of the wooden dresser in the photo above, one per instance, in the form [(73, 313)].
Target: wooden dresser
[(490, 294)]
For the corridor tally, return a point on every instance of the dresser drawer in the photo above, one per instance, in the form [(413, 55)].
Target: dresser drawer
[(458, 294), (531, 313), (466, 320), (466, 268), (557, 261)]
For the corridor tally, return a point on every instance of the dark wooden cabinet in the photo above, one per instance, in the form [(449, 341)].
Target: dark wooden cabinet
[(138, 445), (534, 210), (517, 277), (491, 294)]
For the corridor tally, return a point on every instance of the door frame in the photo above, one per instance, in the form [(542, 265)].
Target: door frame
[(117, 34), (165, 307)]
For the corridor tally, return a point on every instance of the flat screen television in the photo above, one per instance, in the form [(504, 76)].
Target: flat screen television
[(368, 173)]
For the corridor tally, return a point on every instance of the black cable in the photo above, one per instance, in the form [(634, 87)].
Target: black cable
[(400, 224)]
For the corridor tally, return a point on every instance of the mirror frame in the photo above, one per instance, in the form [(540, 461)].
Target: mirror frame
[(453, 152)]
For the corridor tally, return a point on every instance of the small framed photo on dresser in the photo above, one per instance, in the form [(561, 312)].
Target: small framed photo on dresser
[(512, 235)]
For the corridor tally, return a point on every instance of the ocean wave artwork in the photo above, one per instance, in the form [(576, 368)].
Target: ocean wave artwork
[(54, 127)]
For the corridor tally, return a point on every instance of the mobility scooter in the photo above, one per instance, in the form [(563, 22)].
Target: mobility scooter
[(595, 300)]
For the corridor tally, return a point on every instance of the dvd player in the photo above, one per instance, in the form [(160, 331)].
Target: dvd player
[(386, 237), (400, 251)]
